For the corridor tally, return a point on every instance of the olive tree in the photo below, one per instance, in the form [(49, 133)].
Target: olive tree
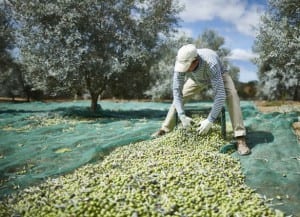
[(278, 46), (72, 45)]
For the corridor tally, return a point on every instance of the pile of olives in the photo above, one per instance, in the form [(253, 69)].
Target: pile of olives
[(179, 174)]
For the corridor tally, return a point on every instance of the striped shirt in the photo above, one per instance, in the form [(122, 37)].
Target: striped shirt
[(209, 71)]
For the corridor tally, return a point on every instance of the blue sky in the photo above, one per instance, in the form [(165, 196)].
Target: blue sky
[(232, 19)]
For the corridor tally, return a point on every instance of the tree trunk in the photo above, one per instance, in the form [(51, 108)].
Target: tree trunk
[(94, 101), (296, 96)]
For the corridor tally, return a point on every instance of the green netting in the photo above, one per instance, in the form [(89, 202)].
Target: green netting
[(39, 140), (273, 168), (45, 139)]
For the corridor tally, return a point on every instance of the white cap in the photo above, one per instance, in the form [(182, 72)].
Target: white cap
[(185, 56)]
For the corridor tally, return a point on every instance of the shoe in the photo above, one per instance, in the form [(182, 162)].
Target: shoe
[(242, 147), (159, 133)]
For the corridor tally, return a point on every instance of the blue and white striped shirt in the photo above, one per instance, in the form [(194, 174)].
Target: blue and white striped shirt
[(210, 70)]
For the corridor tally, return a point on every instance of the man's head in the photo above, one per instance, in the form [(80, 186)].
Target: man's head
[(186, 55)]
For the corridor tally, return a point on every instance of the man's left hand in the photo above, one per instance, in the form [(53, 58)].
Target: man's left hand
[(204, 126)]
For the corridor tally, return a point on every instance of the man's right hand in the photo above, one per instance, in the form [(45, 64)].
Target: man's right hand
[(204, 126), (186, 121)]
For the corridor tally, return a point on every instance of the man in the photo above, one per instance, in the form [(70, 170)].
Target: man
[(193, 68)]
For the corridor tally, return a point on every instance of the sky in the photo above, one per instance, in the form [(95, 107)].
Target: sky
[(234, 20)]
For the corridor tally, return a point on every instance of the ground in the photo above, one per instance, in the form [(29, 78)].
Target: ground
[(262, 106), (270, 169), (281, 106)]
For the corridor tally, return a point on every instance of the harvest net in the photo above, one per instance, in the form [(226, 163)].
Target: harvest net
[(41, 140)]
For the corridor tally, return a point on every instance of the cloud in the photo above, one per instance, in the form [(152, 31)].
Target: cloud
[(240, 54), (248, 23), (236, 12)]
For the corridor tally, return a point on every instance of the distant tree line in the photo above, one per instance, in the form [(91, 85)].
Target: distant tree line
[(122, 49)]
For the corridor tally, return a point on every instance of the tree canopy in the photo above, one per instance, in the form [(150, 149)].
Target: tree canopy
[(6, 37), (9, 75), (76, 45), (278, 46)]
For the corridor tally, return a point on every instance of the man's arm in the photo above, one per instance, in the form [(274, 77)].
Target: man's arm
[(219, 99), (219, 93), (178, 81)]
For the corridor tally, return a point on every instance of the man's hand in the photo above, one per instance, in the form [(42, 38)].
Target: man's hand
[(204, 126), (186, 121)]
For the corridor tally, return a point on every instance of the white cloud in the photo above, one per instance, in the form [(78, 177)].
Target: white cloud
[(249, 21), (209, 9), (237, 12), (240, 54)]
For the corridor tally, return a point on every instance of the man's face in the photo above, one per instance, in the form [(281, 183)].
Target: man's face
[(193, 65)]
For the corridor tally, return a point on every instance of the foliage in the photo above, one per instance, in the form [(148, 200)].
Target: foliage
[(278, 44), (70, 45), (10, 75), (247, 90), (6, 37)]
